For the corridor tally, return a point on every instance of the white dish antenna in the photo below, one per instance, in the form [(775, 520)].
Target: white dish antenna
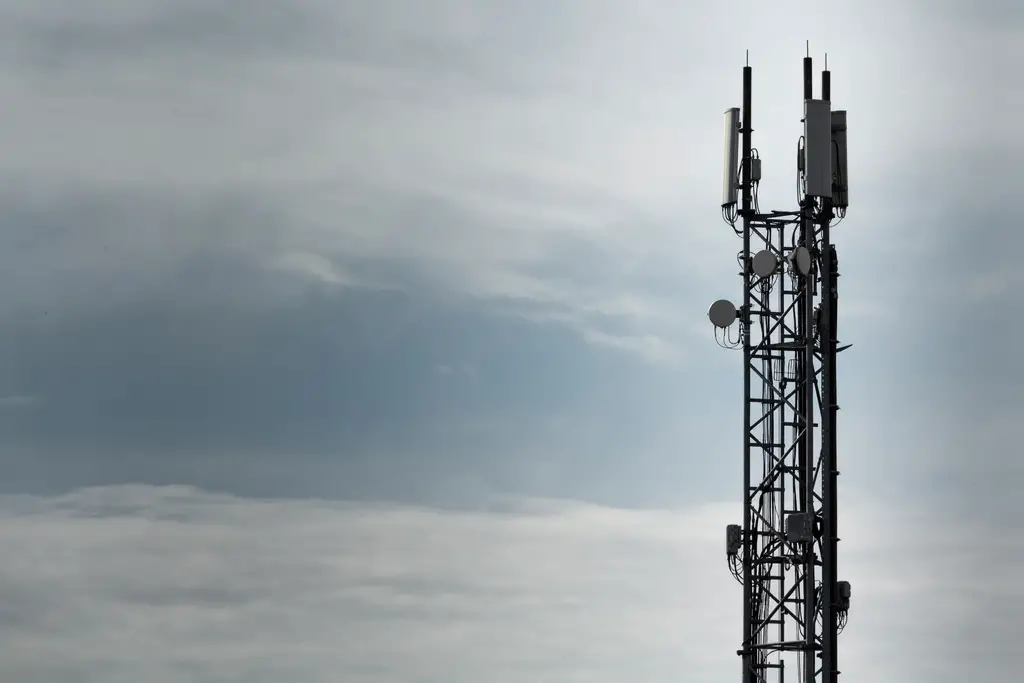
[(800, 260), (722, 313), (764, 263)]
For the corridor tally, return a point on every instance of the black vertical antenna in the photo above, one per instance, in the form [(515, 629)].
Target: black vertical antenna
[(827, 337), (745, 212), (806, 382), (785, 551)]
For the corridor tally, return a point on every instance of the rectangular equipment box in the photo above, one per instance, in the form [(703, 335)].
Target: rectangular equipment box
[(733, 540), (800, 527)]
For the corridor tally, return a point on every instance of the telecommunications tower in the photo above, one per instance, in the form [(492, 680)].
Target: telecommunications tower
[(784, 553)]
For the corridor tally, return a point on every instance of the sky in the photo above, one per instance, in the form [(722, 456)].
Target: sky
[(367, 341)]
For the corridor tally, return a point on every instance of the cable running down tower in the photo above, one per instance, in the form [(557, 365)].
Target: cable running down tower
[(784, 553)]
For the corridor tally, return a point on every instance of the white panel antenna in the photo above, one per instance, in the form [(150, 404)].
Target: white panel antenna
[(730, 174)]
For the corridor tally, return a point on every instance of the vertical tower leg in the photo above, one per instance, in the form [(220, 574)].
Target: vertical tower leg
[(828, 336), (749, 635), (807, 405)]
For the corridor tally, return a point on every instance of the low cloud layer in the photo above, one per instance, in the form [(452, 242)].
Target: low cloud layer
[(169, 584)]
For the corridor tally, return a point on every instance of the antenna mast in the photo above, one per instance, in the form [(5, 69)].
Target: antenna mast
[(784, 553)]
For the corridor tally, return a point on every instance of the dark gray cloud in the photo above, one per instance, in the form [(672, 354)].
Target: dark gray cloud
[(161, 218), (193, 391), (321, 390), (63, 36)]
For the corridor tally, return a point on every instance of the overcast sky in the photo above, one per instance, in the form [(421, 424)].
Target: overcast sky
[(366, 341)]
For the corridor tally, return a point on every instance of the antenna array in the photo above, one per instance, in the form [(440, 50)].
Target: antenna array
[(784, 553)]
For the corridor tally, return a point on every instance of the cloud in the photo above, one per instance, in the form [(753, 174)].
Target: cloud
[(334, 393), (118, 582), (18, 401), (161, 154), (465, 370), (313, 266), (432, 149), (651, 348)]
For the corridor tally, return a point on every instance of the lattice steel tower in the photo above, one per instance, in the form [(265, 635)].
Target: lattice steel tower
[(784, 553)]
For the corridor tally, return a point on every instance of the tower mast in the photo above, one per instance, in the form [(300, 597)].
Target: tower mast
[(785, 552)]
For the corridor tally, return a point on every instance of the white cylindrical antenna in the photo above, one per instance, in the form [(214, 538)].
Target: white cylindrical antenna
[(730, 184)]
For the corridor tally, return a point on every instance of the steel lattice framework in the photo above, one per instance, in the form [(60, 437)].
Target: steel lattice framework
[(784, 554)]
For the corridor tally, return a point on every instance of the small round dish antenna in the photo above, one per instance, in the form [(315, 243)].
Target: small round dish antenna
[(764, 263), (800, 259), (722, 313)]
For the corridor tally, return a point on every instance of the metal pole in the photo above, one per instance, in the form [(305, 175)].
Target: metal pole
[(749, 656), (807, 405), (828, 336)]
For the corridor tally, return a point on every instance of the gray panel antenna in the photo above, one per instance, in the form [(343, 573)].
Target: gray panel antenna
[(840, 184), (818, 148), (730, 172)]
